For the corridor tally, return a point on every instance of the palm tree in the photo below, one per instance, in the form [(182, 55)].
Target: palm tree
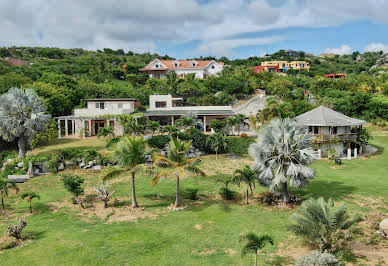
[(273, 110), (247, 176), (106, 132), (254, 243), (322, 223), (185, 122), (170, 129), (282, 152), (154, 126), (21, 116), (178, 164), (231, 122), (241, 120), (29, 196), (5, 185), (217, 142), (130, 153)]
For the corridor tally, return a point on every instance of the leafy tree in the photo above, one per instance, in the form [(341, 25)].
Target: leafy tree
[(217, 142), (218, 125), (273, 110), (254, 243), (130, 153), (21, 116), (12, 79), (4, 52), (178, 164), (245, 175), (30, 196), (282, 152), (5, 185), (322, 223), (73, 184)]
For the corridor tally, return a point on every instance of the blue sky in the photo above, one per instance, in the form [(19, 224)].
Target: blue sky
[(191, 28)]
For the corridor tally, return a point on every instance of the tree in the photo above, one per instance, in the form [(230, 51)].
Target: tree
[(106, 132), (185, 122), (4, 52), (273, 110), (154, 126), (130, 153), (254, 243), (29, 196), (73, 184), (241, 120), (219, 126), (178, 164), (282, 152), (103, 193), (217, 142), (5, 185), (21, 116), (170, 129), (247, 176), (12, 79), (322, 223)]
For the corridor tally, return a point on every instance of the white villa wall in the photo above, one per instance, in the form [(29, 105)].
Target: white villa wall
[(198, 72), (212, 72), (111, 108)]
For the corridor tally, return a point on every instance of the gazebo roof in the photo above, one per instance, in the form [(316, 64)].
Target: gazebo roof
[(323, 116)]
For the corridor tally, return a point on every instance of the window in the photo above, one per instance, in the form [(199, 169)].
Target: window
[(316, 130), (176, 64), (310, 129), (213, 67), (100, 105), (156, 65), (120, 105), (194, 64), (160, 104), (334, 130)]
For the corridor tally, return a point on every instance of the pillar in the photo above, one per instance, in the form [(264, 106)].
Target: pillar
[(83, 128), (319, 153), (59, 128), (66, 127), (172, 120), (349, 153), (108, 122), (204, 123), (355, 152), (90, 128)]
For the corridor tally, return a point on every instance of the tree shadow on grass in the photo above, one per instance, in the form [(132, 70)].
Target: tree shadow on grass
[(326, 189), (34, 235)]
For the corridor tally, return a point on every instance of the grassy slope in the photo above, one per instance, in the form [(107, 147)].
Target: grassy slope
[(172, 238)]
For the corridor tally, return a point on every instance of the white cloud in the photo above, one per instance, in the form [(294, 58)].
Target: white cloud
[(343, 49), (376, 47)]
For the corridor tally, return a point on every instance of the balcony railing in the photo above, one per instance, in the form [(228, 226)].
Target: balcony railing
[(334, 137)]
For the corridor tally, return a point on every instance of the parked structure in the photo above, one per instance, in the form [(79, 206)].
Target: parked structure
[(201, 68), (335, 76), (332, 131), (166, 109), (282, 66)]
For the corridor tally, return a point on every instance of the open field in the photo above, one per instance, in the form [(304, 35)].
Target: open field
[(205, 233)]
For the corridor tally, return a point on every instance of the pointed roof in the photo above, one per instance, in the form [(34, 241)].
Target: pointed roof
[(323, 116)]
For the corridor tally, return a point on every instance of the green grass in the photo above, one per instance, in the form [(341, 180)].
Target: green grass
[(205, 233)]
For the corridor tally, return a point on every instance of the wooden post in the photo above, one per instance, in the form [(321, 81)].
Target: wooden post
[(59, 128)]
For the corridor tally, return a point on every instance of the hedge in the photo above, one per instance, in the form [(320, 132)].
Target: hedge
[(239, 145)]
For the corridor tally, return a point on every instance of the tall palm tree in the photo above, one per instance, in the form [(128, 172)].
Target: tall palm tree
[(178, 164), (30, 196), (322, 223), (5, 185), (21, 116), (217, 142), (241, 120), (246, 175), (282, 152), (254, 243), (130, 153)]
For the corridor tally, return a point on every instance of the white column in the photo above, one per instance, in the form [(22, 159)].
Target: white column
[(59, 128), (66, 127), (204, 123), (83, 128), (73, 126), (319, 153), (172, 120), (349, 154), (108, 122), (90, 127), (355, 152)]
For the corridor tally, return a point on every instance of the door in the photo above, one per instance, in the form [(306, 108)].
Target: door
[(96, 125)]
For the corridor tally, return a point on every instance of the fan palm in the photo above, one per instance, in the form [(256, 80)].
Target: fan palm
[(217, 142), (5, 185), (322, 223), (247, 176), (29, 196), (178, 164), (241, 120), (21, 116), (254, 243), (281, 155), (130, 153)]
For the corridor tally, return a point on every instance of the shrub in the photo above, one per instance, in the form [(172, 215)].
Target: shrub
[(90, 154), (71, 154), (42, 138), (5, 155), (227, 194), (16, 229), (238, 145), (159, 141), (190, 193), (318, 259), (271, 198), (111, 142), (198, 140), (73, 184)]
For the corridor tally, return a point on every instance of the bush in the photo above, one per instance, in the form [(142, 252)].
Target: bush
[(72, 154), (159, 141), (5, 155), (73, 184), (190, 193), (318, 259), (44, 137), (238, 145), (111, 142), (198, 140), (271, 198), (244, 135), (227, 194)]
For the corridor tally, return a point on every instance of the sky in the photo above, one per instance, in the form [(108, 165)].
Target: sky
[(193, 28)]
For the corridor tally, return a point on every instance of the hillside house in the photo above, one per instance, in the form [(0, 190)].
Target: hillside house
[(282, 66), (201, 68)]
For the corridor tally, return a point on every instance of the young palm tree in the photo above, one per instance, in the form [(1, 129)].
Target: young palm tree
[(130, 153), (217, 142), (29, 196), (254, 243), (281, 155), (185, 122), (21, 116), (106, 132), (241, 120), (322, 223), (177, 164), (247, 176), (5, 185), (273, 110), (154, 126), (170, 129)]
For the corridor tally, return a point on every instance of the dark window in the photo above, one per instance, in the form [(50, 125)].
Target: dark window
[(316, 130), (310, 129), (334, 130), (213, 67), (160, 104), (102, 105)]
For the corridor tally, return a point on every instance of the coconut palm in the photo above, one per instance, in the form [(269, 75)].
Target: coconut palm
[(241, 120), (322, 223), (21, 116), (254, 243), (178, 164), (106, 132), (5, 185), (217, 142), (29, 196), (281, 155), (130, 153), (246, 175)]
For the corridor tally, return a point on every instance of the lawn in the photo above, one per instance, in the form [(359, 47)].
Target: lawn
[(204, 233)]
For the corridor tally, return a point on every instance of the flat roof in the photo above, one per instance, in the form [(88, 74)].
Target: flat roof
[(187, 112), (110, 100)]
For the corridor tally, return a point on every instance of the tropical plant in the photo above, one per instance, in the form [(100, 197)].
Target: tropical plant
[(106, 132), (224, 191), (170, 129), (247, 176), (322, 224), (217, 142), (154, 126), (254, 243), (185, 122), (130, 154), (29, 196), (103, 193), (318, 258), (178, 164), (231, 123), (73, 184), (282, 152), (21, 116), (241, 120), (16, 229), (5, 185), (273, 110), (191, 193), (219, 126)]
